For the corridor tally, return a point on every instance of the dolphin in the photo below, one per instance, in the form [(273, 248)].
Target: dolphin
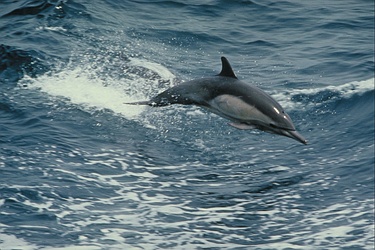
[(246, 106)]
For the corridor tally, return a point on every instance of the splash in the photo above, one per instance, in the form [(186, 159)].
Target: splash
[(93, 87)]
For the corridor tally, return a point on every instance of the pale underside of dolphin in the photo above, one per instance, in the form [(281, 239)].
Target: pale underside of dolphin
[(248, 107)]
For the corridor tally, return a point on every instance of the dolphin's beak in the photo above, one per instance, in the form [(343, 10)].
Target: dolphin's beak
[(294, 135)]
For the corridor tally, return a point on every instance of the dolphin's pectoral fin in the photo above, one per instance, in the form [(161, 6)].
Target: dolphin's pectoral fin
[(242, 126)]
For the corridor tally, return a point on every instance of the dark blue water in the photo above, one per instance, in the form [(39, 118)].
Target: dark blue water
[(81, 170)]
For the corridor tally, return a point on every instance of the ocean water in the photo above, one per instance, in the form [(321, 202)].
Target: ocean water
[(79, 169)]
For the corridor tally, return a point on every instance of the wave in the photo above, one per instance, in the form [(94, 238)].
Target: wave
[(311, 97), (43, 9), (147, 201), (31, 8), (15, 63)]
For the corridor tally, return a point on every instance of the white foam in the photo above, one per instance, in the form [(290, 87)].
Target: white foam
[(51, 28), (78, 88), (10, 242)]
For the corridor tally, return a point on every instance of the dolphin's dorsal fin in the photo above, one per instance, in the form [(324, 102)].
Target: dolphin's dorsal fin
[(226, 69)]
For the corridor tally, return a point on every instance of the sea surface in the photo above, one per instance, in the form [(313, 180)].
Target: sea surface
[(79, 169)]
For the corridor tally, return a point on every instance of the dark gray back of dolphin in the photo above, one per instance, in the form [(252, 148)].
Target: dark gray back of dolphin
[(247, 106)]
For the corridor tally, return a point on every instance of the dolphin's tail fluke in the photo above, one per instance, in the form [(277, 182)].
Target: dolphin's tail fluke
[(139, 103)]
